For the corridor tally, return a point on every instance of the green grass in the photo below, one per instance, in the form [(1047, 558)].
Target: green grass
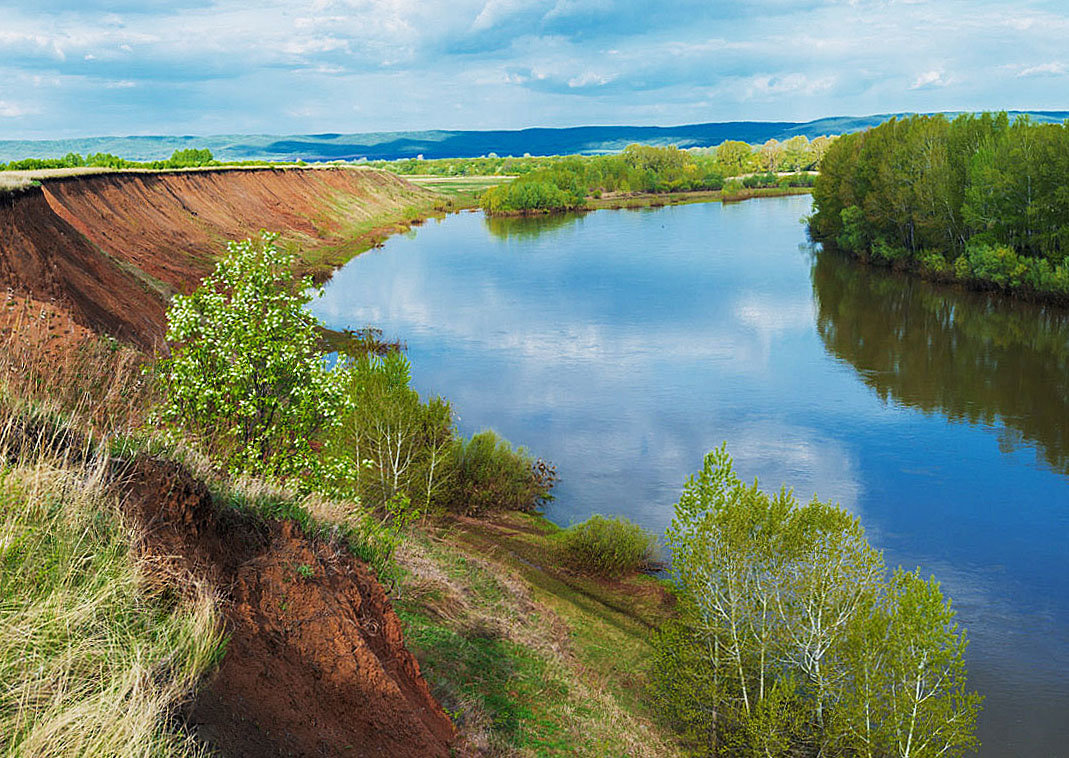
[(532, 660), (464, 186)]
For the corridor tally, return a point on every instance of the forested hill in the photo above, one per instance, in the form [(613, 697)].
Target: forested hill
[(450, 144)]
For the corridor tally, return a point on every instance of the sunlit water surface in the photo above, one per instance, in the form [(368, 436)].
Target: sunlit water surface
[(623, 345)]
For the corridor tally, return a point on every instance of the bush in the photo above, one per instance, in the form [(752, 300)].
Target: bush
[(490, 475), (755, 181), (611, 547), (245, 377)]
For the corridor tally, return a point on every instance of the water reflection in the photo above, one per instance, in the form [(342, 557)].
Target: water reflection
[(526, 227), (624, 345), (966, 355)]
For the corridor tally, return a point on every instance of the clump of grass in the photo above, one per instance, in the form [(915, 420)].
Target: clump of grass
[(609, 547), (95, 656)]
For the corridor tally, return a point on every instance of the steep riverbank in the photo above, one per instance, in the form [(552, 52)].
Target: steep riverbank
[(109, 250), (512, 644)]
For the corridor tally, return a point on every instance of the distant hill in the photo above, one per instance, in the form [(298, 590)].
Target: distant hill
[(451, 144)]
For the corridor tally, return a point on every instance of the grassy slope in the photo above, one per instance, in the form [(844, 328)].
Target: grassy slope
[(532, 658), (529, 658)]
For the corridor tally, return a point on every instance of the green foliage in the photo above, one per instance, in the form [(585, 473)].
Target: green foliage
[(390, 447), (189, 158), (565, 183), (979, 191), (767, 179), (245, 377), (107, 160), (736, 157), (70, 160), (611, 547), (528, 196), (399, 454), (793, 639), (491, 475)]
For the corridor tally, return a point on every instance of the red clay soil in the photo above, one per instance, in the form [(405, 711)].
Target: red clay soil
[(112, 248), (315, 664)]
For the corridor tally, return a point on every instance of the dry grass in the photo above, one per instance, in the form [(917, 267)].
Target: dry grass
[(94, 654), (48, 361)]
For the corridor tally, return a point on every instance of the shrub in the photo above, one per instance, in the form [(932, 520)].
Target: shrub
[(245, 377), (611, 547), (491, 475)]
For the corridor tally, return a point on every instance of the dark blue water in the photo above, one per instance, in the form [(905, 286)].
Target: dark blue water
[(623, 345)]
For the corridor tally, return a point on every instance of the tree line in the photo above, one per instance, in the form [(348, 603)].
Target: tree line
[(188, 158), (979, 200), (565, 183), (731, 158)]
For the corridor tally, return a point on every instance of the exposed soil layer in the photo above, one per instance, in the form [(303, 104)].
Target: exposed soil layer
[(112, 248), (315, 664)]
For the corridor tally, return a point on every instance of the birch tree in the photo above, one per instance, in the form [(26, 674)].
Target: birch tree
[(791, 640)]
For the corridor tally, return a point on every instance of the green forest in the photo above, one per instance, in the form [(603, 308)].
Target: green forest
[(979, 200)]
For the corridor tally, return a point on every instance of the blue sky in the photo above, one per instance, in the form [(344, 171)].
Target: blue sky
[(91, 67)]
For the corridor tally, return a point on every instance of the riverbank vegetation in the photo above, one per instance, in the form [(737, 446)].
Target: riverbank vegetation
[(611, 547), (569, 184), (793, 639), (471, 615), (730, 158), (977, 200), (537, 640)]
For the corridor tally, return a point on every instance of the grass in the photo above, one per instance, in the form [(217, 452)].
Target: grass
[(466, 188), (531, 659), (683, 198), (95, 652)]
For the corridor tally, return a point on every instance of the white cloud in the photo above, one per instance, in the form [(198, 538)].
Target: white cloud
[(929, 79), (514, 63), (1053, 68), (764, 85), (590, 78), (13, 110)]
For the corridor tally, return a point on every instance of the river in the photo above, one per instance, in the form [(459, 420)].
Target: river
[(623, 345)]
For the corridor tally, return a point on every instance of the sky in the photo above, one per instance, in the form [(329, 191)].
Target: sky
[(93, 68)]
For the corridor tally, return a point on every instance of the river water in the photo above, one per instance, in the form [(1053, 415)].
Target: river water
[(623, 345)]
